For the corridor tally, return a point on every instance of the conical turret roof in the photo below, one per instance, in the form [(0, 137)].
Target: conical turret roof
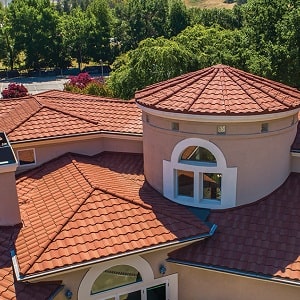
[(219, 90)]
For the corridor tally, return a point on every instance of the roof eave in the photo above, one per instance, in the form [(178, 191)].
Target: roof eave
[(100, 132), (232, 118), (21, 277), (236, 272)]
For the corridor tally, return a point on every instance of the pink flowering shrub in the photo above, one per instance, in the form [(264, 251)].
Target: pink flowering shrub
[(14, 90), (80, 81), (85, 84)]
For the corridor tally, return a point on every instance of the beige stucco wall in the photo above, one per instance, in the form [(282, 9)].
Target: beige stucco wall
[(199, 284), (50, 149), (263, 160), (9, 205)]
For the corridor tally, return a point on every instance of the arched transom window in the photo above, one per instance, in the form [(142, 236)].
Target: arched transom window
[(128, 278), (197, 154), (197, 175), (116, 277)]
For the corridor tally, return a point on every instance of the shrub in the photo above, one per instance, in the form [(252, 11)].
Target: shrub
[(14, 90), (77, 83), (85, 84)]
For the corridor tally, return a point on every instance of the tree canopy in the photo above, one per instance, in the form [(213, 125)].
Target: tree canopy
[(152, 40)]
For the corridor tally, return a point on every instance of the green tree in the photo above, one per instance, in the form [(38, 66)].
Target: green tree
[(8, 54), (33, 26), (100, 18), (178, 18), (272, 30), (74, 30), (225, 18), (214, 45), (140, 19), (154, 60)]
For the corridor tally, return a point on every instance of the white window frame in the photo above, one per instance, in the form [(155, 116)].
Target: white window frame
[(34, 155), (148, 280), (228, 183)]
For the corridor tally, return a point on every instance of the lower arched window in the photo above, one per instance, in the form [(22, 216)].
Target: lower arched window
[(116, 277), (129, 278)]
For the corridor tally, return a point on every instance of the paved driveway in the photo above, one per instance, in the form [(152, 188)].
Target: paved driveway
[(36, 84)]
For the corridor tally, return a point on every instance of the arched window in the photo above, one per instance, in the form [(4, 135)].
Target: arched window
[(197, 154), (128, 278), (197, 175), (116, 277)]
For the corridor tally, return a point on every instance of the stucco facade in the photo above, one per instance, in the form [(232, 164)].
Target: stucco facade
[(255, 154)]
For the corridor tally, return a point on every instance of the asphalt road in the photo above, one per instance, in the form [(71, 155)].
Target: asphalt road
[(36, 84)]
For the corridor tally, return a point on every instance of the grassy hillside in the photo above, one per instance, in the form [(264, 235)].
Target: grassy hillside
[(208, 4)]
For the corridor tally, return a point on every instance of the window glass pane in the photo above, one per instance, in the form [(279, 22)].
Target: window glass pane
[(115, 277), (157, 292), (185, 181), (193, 153), (212, 186), (26, 157), (132, 296)]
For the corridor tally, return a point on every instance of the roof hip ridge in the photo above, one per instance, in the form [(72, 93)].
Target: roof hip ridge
[(69, 113), (236, 74), (171, 82), (26, 119), (275, 85), (55, 234), (214, 72)]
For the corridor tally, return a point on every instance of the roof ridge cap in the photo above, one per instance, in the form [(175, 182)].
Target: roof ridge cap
[(27, 117), (90, 97), (239, 76), (69, 113), (276, 86), (212, 70), (115, 194), (174, 82), (55, 234), (224, 90)]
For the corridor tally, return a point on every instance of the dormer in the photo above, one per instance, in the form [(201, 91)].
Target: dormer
[(218, 137), (9, 206)]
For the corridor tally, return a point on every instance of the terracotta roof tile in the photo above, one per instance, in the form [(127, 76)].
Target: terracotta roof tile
[(10, 289), (219, 90), (56, 113), (78, 208), (261, 238)]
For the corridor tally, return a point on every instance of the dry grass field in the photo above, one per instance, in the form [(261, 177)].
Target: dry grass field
[(208, 4)]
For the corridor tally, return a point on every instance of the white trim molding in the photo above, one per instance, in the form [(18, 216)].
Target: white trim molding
[(229, 176), (218, 118)]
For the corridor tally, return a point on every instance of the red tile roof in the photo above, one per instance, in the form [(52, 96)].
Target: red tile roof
[(262, 238), (55, 113), (219, 90), (10, 289), (77, 209)]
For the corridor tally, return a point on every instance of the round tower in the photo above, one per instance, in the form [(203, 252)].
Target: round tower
[(218, 137)]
